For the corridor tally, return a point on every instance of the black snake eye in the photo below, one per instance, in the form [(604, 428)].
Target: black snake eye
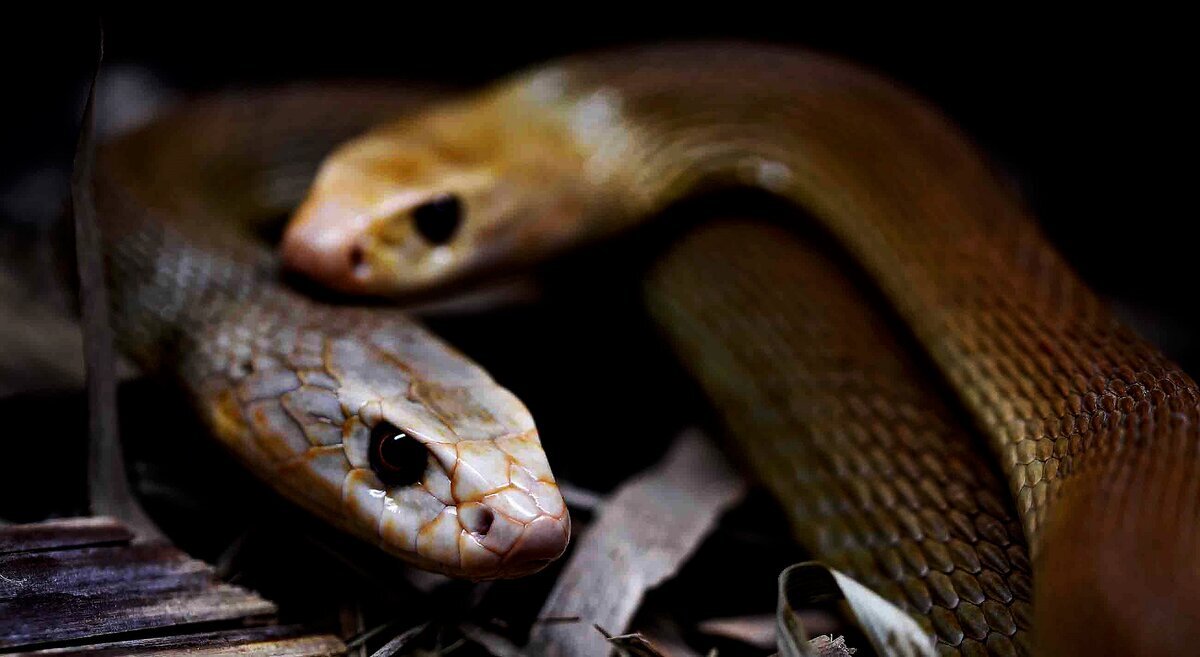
[(437, 220), (396, 457)]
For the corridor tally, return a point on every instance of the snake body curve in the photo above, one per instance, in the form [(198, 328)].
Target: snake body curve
[(305, 393), (880, 479), (1096, 432)]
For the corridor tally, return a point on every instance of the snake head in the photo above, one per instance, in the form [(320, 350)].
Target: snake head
[(432, 199), (377, 426)]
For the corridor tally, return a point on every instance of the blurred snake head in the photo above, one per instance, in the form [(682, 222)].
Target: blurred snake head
[(385, 431), (432, 199)]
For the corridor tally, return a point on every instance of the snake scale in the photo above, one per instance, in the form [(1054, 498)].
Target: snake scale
[(357, 414), (361, 416), (879, 478), (1095, 431)]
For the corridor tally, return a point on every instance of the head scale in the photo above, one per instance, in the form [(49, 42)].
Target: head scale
[(383, 430), (435, 198)]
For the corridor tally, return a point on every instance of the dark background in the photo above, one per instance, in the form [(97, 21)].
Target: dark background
[(1091, 114), (1092, 117)]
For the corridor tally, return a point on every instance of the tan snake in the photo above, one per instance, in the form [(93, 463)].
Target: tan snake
[(357, 414), (1094, 429)]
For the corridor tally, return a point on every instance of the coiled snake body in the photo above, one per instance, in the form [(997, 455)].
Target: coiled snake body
[(1094, 430), (879, 477)]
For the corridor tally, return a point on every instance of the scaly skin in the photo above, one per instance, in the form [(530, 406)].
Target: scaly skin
[(1096, 432), (879, 478), (292, 386)]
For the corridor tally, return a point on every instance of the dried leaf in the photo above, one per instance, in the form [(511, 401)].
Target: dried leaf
[(640, 538), (891, 632)]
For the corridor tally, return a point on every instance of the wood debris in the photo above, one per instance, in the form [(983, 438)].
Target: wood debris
[(69, 584)]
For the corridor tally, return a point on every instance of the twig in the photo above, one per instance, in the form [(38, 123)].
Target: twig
[(397, 644), (108, 484)]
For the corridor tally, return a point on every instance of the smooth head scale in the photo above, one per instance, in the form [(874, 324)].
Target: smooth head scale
[(381, 429)]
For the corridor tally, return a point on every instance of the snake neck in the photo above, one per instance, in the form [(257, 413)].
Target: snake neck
[(184, 201), (903, 191), (1096, 431)]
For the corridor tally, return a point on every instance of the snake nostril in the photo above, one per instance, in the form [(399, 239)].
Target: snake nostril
[(476, 518), (485, 523), (358, 261)]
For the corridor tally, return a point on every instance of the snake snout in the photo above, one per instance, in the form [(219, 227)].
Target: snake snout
[(322, 243), (512, 516), (543, 541), (476, 518), (524, 545)]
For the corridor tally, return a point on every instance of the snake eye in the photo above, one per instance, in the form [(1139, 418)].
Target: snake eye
[(398, 458), (437, 220)]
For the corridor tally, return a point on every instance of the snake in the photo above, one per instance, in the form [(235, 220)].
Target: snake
[(1094, 431), (357, 414), (879, 477)]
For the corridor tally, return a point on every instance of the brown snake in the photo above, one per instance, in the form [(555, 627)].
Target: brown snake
[(1095, 431), (357, 414)]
